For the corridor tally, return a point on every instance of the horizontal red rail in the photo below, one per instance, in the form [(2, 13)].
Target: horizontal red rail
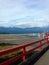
[(11, 60), (35, 48), (4, 52)]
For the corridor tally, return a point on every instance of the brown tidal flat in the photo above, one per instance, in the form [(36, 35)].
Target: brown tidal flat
[(10, 40)]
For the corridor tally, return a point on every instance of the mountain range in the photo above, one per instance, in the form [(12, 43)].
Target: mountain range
[(16, 30)]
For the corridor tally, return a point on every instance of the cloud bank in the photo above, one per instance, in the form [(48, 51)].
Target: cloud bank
[(24, 13)]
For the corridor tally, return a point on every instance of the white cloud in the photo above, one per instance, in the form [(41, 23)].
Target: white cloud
[(32, 24)]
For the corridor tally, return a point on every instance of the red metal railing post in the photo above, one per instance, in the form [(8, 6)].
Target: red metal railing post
[(47, 43), (24, 51), (41, 46), (47, 40)]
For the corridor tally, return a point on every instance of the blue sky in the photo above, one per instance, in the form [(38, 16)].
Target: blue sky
[(24, 13)]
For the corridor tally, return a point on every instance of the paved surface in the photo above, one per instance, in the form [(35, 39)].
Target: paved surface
[(44, 60)]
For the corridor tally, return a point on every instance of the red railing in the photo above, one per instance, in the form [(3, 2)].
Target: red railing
[(23, 49)]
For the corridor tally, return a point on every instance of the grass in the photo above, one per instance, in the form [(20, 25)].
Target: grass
[(4, 46)]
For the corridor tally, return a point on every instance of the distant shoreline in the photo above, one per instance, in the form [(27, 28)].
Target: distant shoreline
[(19, 33)]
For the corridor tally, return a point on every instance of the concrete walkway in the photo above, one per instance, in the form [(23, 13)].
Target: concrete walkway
[(44, 60)]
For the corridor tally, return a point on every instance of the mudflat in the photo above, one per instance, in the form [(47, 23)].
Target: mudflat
[(16, 39), (11, 40)]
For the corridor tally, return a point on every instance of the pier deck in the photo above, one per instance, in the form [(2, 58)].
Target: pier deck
[(44, 60)]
